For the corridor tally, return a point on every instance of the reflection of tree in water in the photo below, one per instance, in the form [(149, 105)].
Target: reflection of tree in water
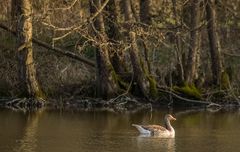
[(145, 142), (28, 143)]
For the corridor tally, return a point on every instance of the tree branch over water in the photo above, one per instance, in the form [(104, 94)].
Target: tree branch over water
[(55, 49)]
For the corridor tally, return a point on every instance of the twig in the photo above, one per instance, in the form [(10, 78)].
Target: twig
[(66, 8), (99, 11)]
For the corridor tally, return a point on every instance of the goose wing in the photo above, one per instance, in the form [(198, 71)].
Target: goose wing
[(154, 128)]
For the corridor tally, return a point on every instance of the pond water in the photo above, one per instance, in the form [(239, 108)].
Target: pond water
[(76, 131)]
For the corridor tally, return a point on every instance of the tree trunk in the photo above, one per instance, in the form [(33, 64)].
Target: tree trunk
[(134, 10), (146, 18), (214, 43), (144, 82), (27, 72), (178, 44), (13, 14), (145, 11), (194, 40), (139, 75), (146, 56), (114, 35), (127, 10), (106, 77)]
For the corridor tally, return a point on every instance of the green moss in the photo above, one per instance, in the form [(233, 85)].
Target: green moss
[(143, 66), (152, 82), (121, 84), (225, 81), (153, 86), (119, 81), (89, 52), (189, 90)]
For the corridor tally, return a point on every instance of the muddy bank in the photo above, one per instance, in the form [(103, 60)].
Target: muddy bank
[(118, 104)]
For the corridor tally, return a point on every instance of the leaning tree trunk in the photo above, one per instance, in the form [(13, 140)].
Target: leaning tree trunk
[(194, 40), (106, 77), (145, 83), (27, 72), (213, 41)]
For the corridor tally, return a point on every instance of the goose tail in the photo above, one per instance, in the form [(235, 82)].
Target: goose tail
[(141, 129)]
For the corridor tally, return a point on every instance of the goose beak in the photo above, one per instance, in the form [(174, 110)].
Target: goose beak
[(174, 118)]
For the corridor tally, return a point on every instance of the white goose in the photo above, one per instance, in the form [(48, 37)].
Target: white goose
[(156, 130)]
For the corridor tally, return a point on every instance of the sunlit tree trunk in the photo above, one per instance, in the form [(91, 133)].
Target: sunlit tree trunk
[(106, 77), (194, 40), (27, 72), (214, 43)]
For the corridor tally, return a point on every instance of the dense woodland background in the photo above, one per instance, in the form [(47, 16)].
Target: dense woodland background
[(107, 48)]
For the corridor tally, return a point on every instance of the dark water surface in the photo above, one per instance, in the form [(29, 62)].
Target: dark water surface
[(71, 131)]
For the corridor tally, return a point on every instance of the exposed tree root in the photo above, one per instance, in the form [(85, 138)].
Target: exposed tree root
[(126, 103), (22, 104), (120, 104)]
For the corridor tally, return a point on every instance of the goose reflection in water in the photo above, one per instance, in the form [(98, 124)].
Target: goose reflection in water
[(145, 142)]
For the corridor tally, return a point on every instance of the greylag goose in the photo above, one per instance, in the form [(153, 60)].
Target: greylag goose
[(156, 130)]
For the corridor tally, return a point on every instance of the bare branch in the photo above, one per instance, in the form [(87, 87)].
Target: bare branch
[(66, 8)]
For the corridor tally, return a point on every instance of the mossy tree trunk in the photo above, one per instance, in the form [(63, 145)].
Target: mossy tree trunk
[(114, 35), (138, 72), (146, 18), (214, 43), (144, 82), (106, 77), (27, 72), (194, 40)]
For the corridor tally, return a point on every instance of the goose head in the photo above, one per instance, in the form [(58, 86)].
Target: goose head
[(169, 117)]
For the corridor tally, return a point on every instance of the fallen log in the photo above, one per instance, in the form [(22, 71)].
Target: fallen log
[(206, 103), (55, 49)]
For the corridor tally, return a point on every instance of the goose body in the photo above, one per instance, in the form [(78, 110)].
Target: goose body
[(156, 130)]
